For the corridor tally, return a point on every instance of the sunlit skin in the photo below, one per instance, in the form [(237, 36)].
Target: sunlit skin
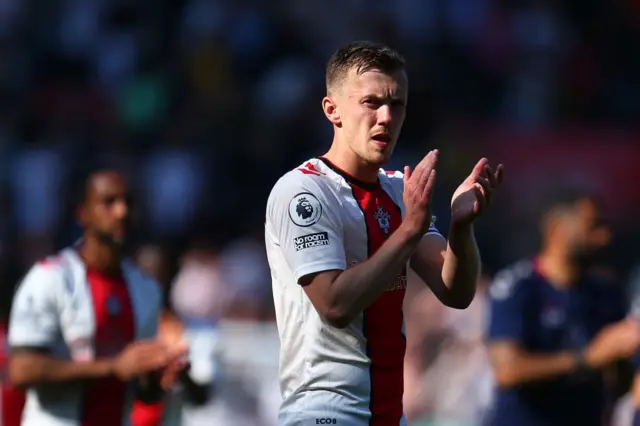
[(367, 111), (105, 217)]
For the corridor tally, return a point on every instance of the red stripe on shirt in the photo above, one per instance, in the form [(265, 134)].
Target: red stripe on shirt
[(104, 399), (383, 318), (13, 399)]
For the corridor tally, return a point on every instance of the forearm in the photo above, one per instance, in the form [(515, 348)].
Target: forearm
[(356, 288), (527, 368), (28, 369), (461, 268)]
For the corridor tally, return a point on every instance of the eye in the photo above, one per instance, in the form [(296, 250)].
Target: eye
[(371, 102), (108, 200)]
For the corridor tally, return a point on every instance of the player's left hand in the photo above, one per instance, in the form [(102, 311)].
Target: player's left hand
[(170, 374), (474, 195)]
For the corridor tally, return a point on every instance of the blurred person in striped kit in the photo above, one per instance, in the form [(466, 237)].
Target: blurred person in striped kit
[(12, 399), (83, 325)]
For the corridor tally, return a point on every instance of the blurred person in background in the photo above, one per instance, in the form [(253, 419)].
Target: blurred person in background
[(339, 231), (198, 297), (448, 381), (555, 329), (218, 294), (194, 388), (83, 325), (634, 400)]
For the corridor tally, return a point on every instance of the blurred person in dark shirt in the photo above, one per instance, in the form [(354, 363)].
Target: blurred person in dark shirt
[(555, 329)]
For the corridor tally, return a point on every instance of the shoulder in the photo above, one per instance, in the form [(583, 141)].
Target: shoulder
[(46, 272), (309, 187), (394, 178), (393, 182), (312, 175), (512, 280)]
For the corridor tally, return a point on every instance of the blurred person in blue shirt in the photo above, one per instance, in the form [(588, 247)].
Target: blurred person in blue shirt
[(555, 329)]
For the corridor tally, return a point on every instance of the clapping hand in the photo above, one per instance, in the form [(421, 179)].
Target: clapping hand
[(474, 195), (418, 191)]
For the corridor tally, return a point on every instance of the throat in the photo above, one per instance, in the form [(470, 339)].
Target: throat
[(353, 166)]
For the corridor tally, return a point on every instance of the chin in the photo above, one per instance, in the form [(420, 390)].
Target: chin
[(379, 158)]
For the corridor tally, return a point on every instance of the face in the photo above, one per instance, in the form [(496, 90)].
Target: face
[(106, 211), (368, 110), (587, 234)]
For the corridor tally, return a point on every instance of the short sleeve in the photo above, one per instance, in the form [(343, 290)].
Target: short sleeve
[(507, 307), (34, 320), (304, 220), (432, 227)]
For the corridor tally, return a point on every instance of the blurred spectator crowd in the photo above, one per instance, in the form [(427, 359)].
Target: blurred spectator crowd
[(205, 103)]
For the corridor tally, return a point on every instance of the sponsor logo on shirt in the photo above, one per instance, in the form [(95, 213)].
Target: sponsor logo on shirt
[(305, 209), (312, 240)]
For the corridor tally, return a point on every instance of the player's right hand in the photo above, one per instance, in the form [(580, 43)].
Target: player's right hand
[(616, 341), (418, 191), (144, 357)]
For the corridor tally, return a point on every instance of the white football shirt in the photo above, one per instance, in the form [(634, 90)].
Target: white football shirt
[(78, 316), (320, 218)]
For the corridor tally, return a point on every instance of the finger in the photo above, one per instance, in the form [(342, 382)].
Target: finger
[(428, 175), (152, 349), (419, 170), (479, 168), (407, 174), (481, 200), (485, 189), (169, 377), (500, 173), (491, 176), (171, 372), (429, 186)]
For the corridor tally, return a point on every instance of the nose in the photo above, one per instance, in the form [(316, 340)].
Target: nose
[(384, 115), (121, 209)]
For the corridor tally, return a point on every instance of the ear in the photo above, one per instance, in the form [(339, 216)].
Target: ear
[(331, 111)]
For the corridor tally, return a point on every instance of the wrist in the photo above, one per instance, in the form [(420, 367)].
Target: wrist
[(580, 360), (408, 234), (106, 368), (459, 225)]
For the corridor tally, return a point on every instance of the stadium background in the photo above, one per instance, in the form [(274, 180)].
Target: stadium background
[(205, 103)]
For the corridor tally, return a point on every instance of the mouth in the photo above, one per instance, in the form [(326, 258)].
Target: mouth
[(382, 139)]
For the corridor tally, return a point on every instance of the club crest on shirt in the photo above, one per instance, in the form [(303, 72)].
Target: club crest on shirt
[(113, 306), (384, 220)]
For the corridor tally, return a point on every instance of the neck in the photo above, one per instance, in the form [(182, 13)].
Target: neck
[(100, 257), (558, 269), (344, 158)]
